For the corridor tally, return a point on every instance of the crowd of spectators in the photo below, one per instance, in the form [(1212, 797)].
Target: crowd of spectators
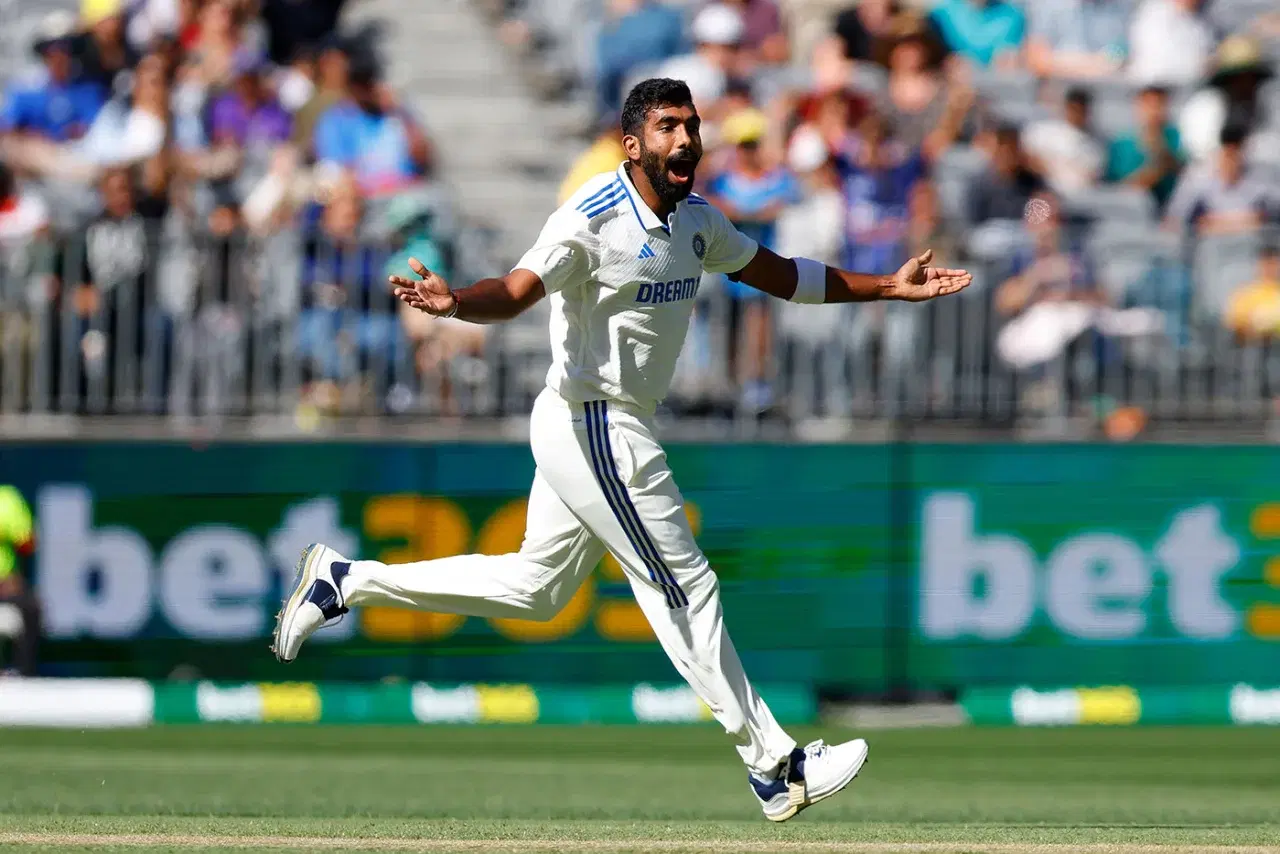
[(196, 191), (1058, 147)]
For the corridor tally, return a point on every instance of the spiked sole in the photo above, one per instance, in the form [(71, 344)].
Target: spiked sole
[(299, 589), (798, 796)]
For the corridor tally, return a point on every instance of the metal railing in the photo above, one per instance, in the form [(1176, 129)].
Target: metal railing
[(138, 322)]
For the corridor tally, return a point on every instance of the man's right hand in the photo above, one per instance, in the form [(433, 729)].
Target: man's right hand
[(430, 293)]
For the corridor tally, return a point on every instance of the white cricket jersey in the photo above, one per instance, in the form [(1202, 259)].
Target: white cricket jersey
[(622, 284)]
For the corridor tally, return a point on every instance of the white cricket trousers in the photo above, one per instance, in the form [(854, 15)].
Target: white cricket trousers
[(602, 482)]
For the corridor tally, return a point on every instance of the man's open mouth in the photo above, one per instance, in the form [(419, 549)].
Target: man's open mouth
[(681, 171)]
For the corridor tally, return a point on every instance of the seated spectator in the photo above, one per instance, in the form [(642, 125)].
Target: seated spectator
[(718, 31), (928, 110), (1170, 42), (985, 32), (372, 136), (296, 82), (878, 175), (635, 33), (50, 103), (248, 121), (1221, 196), (333, 76), (123, 133), (1230, 98), (926, 229), (1078, 39), (104, 52), (219, 40), (1064, 150), (1150, 157), (1003, 190), (604, 155), (752, 193), (438, 344), (828, 118), (859, 27), (348, 326), (24, 220), (764, 40), (1253, 311)]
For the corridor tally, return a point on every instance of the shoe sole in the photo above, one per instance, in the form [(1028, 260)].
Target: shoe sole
[(301, 581), (796, 809)]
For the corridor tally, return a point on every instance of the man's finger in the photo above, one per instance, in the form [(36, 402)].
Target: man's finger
[(418, 267), (402, 282), (949, 274), (925, 258)]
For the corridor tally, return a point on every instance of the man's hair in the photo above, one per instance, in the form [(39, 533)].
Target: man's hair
[(1079, 95), (1233, 134), (652, 94)]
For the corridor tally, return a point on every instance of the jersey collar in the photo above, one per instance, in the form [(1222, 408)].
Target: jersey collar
[(648, 219)]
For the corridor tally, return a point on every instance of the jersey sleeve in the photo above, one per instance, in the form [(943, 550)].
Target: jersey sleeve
[(728, 250), (564, 254)]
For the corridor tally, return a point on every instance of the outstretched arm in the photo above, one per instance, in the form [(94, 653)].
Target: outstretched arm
[(916, 281), (486, 301)]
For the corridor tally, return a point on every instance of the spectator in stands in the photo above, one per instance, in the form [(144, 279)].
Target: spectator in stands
[(296, 24), (752, 192), (248, 121), (443, 348), (24, 221), (1222, 196), (1078, 39), (928, 110), (296, 82), (333, 76), (986, 32), (109, 299), (1064, 150), (635, 33), (763, 38), (604, 155), (1170, 42), (348, 326), (1151, 156), (1003, 190), (373, 137), (718, 32), (828, 117), (1231, 97), (51, 103), (1253, 311), (220, 38), (17, 544), (104, 52), (859, 27), (926, 228)]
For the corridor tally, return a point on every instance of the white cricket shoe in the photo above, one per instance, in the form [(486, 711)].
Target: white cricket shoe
[(808, 776), (316, 599)]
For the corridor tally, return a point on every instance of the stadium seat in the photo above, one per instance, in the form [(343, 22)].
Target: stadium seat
[(1121, 204)]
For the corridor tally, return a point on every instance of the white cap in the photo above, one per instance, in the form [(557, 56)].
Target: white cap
[(719, 24), (807, 151)]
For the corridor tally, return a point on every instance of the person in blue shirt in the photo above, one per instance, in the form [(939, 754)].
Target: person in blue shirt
[(986, 32), (51, 103), (637, 32), (751, 193), (373, 138)]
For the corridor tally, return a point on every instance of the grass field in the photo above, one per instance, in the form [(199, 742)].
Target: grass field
[(651, 789)]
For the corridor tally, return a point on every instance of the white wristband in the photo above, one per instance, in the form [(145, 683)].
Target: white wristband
[(811, 281)]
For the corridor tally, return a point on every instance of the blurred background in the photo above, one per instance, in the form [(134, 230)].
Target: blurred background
[(1064, 477)]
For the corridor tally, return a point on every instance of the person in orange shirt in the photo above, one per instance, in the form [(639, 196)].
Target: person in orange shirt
[(1253, 311)]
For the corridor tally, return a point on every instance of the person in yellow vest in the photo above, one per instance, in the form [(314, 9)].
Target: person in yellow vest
[(18, 541), (604, 155)]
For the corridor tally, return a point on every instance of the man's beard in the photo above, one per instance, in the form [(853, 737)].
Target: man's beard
[(655, 169)]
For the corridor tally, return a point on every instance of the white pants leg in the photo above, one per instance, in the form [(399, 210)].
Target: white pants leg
[(602, 482)]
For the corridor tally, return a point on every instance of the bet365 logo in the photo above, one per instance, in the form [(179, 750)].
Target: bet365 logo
[(1095, 585)]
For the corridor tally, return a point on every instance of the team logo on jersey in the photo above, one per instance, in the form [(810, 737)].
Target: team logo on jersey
[(699, 245)]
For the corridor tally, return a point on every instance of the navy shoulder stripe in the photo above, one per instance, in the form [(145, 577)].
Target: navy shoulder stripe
[(603, 206), (695, 199), (608, 190)]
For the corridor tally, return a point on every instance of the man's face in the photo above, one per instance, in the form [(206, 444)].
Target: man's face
[(1077, 113), (1153, 109), (57, 59), (668, 150), (117, 194), (1231, 160)]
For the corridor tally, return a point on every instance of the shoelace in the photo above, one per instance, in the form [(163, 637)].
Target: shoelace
[(816, 750)]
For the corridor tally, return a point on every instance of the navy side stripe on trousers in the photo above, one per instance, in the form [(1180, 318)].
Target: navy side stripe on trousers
[(615, 492)]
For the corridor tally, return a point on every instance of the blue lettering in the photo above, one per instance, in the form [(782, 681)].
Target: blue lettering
[(659, 293), (645, 294), (672, 292)]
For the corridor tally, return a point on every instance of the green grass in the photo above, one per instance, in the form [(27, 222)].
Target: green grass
[(671, 789)]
